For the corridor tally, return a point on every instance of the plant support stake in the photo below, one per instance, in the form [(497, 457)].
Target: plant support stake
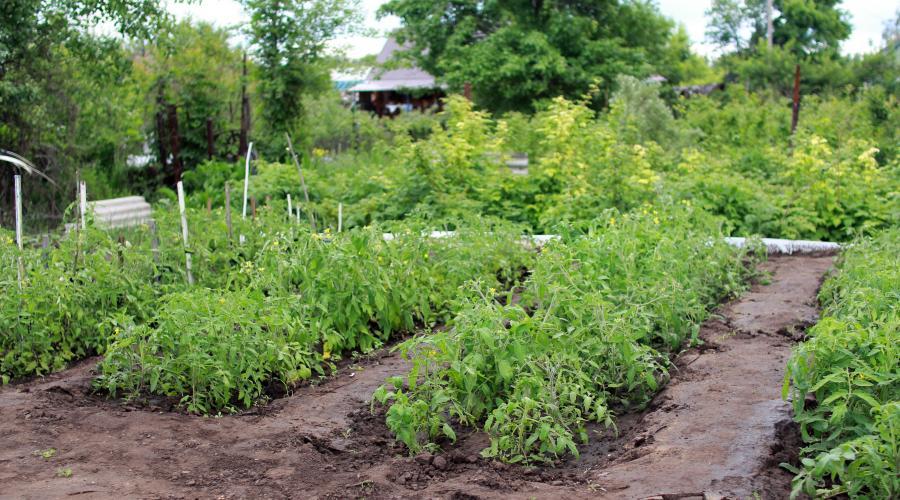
[(312, 222), (18, 188), (228, 210), (340, 216), (290, 208), (82, 203), (184, 233), (246, 185)]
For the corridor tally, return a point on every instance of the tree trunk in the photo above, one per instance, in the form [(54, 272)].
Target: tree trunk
[(160, 133), (245, 113), (177, 166), (210, 139)]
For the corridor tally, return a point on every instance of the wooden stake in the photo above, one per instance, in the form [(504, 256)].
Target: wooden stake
[(290, 208), (210, 139), (209, 206), (21, 265), (154, 241), (253, 207), (184, 233), (312, 222), (45, 252), (228, 210), (340, 216), (795, 111)]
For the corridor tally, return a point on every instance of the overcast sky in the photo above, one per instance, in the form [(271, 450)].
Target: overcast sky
[(867, 16)]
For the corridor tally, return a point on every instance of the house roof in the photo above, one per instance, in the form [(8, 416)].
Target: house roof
[(379, 79)]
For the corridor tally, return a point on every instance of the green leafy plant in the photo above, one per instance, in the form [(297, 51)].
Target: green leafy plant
[(850, 365)]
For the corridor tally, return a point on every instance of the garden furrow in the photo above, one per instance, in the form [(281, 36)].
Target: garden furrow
[(711, 431), (720, 421)]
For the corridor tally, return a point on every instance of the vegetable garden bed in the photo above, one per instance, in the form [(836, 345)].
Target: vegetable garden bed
[(323, 440)]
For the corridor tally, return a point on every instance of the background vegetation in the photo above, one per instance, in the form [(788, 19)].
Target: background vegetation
[(642, 156)]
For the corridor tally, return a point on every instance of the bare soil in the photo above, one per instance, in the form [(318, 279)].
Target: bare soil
[(719, 429)]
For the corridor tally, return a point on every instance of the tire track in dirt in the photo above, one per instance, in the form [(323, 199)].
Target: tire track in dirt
[(710, 431)]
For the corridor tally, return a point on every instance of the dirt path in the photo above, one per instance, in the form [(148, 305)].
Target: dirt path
[(713, 430), (714, 427)]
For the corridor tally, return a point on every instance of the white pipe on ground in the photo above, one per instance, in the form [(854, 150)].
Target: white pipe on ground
[(773, 245)]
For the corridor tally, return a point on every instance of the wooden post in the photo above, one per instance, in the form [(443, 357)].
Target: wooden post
[(154, 241), (467, 91), (795, 111), (253, 207), (120, 248), (209, 206), (184, 233), (228, 210), (210, 139), (175, 140), (312, 222), (82, 203), (45, 250), (17, 180), (161, 130), (290, 208), (340, 216), (298, 214)]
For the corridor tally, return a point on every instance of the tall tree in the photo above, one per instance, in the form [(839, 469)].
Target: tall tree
[(806, 27), (193, 67), (515, 51), (65, 94), (289, 38)]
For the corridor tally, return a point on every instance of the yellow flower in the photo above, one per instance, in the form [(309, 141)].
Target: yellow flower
[(326, 355), (319, 152), (492, 291), (656, 220), (612, 221)]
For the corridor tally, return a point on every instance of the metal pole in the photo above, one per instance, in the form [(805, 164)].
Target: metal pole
[(82, 204), (246, 187), (184, 233), (18, 189)]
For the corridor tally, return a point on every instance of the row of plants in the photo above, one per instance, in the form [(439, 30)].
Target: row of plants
[(850, 364), (90, 288), (56, 313), (300, 303), (592, 334)]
